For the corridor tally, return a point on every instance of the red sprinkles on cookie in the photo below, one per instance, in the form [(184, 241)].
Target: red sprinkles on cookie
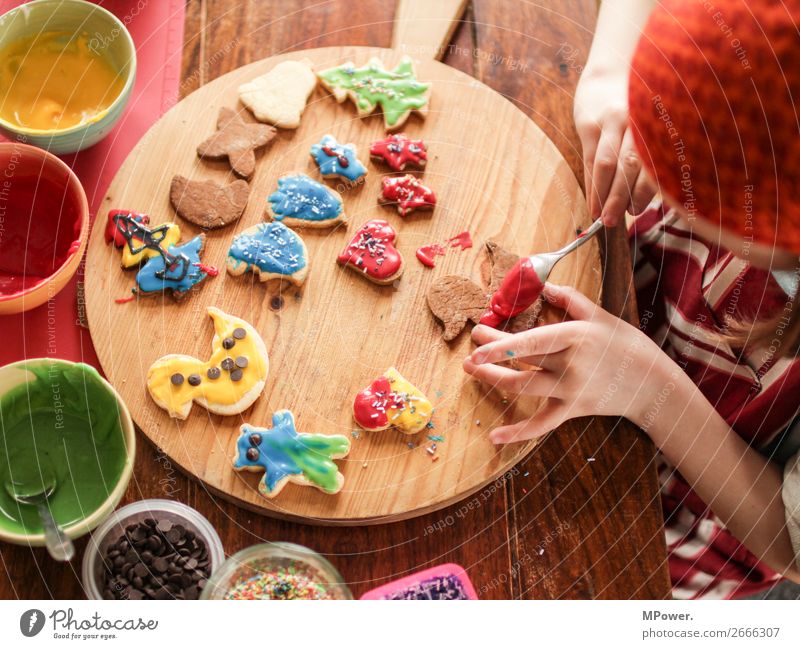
[(371, 251), (407, 193), (398, 151)]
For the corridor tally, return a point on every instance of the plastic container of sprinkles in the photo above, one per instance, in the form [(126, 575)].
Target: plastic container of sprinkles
[(276, 571)]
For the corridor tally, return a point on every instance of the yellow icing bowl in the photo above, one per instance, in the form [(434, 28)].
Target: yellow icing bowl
[(106, 35), (44, 225)]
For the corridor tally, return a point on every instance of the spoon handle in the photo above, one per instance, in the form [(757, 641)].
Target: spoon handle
[(587, 234), (58, 544)]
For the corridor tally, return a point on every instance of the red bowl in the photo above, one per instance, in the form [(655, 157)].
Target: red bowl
[(44, 225)]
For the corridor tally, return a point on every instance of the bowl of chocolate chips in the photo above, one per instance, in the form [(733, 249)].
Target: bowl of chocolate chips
[(151, 550)]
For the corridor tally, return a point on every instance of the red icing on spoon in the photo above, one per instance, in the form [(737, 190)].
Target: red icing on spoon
[(520, 288)]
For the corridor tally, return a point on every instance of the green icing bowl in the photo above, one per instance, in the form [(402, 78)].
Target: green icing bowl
[(65, 416), (115, 43)]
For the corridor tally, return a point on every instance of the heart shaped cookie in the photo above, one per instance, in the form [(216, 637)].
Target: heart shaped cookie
[(208, 204), (371, 252), (392, 401)]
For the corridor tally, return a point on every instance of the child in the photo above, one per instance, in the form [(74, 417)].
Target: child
[(712, 374)]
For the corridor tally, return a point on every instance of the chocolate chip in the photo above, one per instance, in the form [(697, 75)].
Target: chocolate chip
[(241, 361), (228, 364), (141, 570), (164, 526), (194, 379), (239, 333), (236, 375), (160, 564), (176, 379), (213, 373), (252, 454), (228, 343), (255, 439), (276, 303)]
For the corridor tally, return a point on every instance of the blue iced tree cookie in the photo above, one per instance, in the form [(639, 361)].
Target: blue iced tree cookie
[(288, 456), (271, 251), (300, 201), (337, 160)]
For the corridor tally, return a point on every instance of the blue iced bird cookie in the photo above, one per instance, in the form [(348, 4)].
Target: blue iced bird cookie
[(303, 202), (270, 250), (337, 160), (178, 271), (284, 455)]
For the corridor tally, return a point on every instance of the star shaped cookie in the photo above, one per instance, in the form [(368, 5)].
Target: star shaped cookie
[(237, 141)]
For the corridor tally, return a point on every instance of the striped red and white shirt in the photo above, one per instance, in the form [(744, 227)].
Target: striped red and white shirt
[(687, 289)]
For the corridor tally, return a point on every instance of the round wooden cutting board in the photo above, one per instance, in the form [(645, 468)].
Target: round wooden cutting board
[(495, 174)]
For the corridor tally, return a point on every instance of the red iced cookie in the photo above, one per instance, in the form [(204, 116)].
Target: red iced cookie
[(408, 193), (113, 233), (371, 251), (398, 151)]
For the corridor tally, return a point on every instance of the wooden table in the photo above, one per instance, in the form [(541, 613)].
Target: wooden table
[(580, 518)]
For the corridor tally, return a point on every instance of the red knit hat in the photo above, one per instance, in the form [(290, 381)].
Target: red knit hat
[(715, 111)]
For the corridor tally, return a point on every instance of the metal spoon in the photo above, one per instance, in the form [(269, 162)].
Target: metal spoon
[(35, 489), (543, 263)]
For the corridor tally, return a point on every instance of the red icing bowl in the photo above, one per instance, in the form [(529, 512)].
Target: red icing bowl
[(44, 225)]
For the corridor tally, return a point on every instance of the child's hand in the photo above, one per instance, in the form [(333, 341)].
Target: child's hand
[(612, 169), (595, 364)]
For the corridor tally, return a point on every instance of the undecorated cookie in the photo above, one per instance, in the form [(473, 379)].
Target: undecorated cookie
[(237, 141), (207, 203), (454, 300), (279, 96)]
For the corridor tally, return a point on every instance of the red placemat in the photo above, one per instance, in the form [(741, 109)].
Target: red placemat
[(54, 328)]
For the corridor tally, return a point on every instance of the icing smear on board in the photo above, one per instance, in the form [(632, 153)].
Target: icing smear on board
[(427, 254)]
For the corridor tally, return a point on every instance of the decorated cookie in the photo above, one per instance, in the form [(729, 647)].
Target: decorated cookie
[(399, 152), (164, 265), (337, 160), (208, 204), (270, 250), (454, 300), (288, 456), (371, 252), (392, 401), (226, 384), (279, 96), (300, 201), (396, 91), (407, 192), (237, 141)]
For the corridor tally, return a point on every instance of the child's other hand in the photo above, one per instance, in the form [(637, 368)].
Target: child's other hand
[(595, 364), (613, 175)]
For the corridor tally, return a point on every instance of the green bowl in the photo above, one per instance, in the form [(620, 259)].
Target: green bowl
[(68, 416), (112, 39)]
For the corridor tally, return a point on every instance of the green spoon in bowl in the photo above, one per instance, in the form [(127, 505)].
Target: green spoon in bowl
[(34, 487)]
